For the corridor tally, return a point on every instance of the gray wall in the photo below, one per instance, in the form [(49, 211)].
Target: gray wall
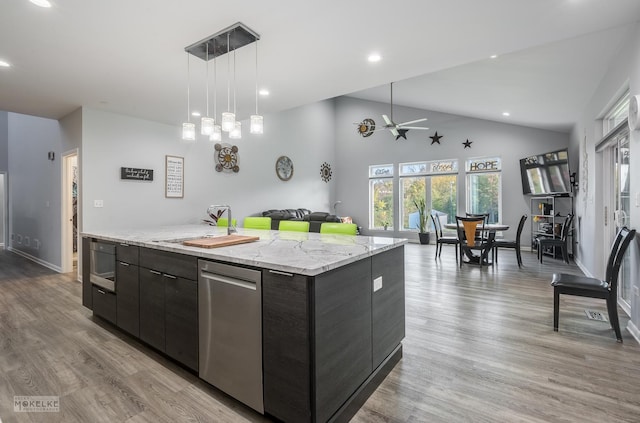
[(355, 154), (34, 187), (111, 141), (593, 248), (4, 141)]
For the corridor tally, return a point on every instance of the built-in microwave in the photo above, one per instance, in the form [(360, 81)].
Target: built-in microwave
[(103, 264)]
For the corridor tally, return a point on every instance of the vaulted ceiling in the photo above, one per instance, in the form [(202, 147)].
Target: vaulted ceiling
[(128, 56)]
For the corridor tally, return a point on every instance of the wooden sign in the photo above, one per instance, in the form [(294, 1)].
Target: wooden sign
[(136, 174)]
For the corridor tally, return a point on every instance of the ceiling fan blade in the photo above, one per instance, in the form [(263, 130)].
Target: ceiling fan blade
[(394, 131), (412, 127), (412, 121), (387, 120)]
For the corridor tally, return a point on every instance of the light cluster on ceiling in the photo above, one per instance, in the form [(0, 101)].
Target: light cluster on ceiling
[(41, 3), (223, 42)]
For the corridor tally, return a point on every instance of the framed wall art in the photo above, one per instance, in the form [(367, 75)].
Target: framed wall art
[(174, 177)]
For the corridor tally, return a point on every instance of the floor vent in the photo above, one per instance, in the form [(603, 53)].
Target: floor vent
[(596, 315)]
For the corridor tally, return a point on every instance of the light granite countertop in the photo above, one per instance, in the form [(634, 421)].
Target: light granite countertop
[(304, 253)]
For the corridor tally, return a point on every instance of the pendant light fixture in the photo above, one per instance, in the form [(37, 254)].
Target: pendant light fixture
[(188, 128), (228, 118), (256, 121), (206, 123), (216, 135), (235, 36)]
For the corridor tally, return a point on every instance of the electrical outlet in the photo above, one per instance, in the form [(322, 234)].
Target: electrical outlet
[(27, 241), (19, 239), (36, 243), (377, 284), (98, 203)]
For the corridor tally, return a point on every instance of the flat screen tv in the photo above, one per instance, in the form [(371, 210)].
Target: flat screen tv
[(546, 174)]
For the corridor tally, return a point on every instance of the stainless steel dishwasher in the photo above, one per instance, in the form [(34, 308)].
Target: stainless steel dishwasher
[(230, 326)]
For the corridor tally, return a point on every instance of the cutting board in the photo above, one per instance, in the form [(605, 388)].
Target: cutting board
[(220, 241)]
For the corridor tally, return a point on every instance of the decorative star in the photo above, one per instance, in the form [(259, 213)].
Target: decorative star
[(402, 133), (436, 138), (467, 144)]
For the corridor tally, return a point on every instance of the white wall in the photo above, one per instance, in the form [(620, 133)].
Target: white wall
[(623, 72), (510, 142), (111, 141), (34, 188)]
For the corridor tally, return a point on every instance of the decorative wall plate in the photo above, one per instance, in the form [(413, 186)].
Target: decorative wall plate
[(226, 157), (325, 172), (284, 168), (366, 127)]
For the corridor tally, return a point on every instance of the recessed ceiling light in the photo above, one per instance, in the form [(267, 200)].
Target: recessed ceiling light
[(506, 114), (493, 56), (374, 57), (263, 92), (195, 113), (41, 3), (4, 64)]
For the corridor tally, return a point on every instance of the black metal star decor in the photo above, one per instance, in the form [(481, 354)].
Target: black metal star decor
[(467, 144), (436, 138), (402, 133)]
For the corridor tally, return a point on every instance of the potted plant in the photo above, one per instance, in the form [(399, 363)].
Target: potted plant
[(423, 220)]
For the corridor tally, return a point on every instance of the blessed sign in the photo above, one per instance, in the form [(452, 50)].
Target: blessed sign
[(136, 174)]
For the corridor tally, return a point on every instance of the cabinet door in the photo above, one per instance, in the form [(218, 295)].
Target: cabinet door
[(104, 303), (181, 319), (87, 294), (128, 298), (152, 324)]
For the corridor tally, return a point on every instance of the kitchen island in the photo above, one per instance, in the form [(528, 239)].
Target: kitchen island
[(328, 324)]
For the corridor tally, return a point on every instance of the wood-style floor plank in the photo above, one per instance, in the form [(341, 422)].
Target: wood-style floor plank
[(479, 347)]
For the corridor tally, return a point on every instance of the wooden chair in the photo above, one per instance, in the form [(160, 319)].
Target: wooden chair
[(584, 286), (339, 228), (293, 225), (515, 244), (256, 222), (471, 243), (547, 242), (440, 239)]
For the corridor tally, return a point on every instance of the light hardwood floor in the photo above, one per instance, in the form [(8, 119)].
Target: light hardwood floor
[(479, 347)]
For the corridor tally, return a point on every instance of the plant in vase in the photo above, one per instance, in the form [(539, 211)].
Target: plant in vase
[(423, 220)]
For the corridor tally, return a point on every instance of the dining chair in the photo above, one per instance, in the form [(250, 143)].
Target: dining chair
[(257, 222), (440, 239), (515, 244), (584, 286), (293, 225), (561, 242), (339, 228), (470, 243), (223, 222)]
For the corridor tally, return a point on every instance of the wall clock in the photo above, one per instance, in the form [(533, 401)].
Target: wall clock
[(284, 168), (634, 112)]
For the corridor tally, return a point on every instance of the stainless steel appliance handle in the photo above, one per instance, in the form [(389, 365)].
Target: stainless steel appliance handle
[(155, 272), (223, 279), (169, 276)]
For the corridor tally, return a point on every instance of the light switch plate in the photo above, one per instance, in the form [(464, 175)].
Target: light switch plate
[(377, 283), (98, 203)]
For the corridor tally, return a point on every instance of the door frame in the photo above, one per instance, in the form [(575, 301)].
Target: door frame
[(66, 224), (5, 220)]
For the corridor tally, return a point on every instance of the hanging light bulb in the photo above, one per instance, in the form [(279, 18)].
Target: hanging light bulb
[(228, 118), (216, 135), (257, 125), (206, 123), (236, 132), (188, 128)]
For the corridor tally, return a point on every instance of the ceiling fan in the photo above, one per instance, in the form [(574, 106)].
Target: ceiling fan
[(395, 128)]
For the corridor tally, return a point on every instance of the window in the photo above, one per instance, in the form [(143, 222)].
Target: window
[(484, 187), (381, 196), (436, 182), (618, 113)]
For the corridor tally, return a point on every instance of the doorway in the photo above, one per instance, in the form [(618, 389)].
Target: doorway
[(70, 212), (617, 155)]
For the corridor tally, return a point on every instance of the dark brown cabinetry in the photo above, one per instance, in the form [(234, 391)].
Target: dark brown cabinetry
[(326, 337), (169, 304), (87, 292), (128, 289), (104, 303)]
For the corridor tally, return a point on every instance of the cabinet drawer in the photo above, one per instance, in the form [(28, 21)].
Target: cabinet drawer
[(127, 253), (180, 265), (104, 303)]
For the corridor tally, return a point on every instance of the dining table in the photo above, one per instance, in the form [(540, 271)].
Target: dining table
[(488, 227)]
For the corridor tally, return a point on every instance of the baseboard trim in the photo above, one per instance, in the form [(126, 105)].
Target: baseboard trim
[(583, 268), (36, 260), (633, 330)]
